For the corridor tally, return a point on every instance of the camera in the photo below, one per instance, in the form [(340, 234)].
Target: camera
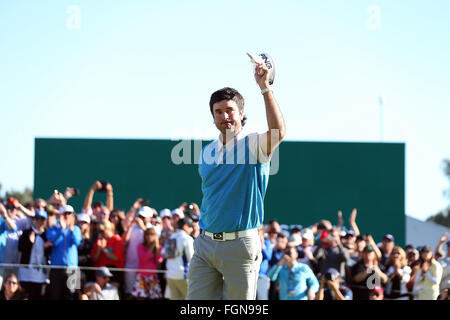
[(103, 188), (189, 210)]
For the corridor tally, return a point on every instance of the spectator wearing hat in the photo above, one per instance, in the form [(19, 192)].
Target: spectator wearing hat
[(330, 253), (263, 285), (85, 247), (7, 225), (22, 220), (427, 277), (377, 293), (331, 287), (65, 237), (101, 289), (177, 214), (109, 251), (147, 285), (399, 273), (132, 238), (167, 226), (413, 260), (348, 239), (297, 281), (386, 247), (156, 223), (365, 273), (178, 251), (34, 249), (445, 263), (306, 249)]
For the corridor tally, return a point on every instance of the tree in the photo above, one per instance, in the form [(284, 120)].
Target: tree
[(24, 197), (443, 217)]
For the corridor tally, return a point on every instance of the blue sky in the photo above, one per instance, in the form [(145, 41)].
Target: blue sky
[(146, 69)]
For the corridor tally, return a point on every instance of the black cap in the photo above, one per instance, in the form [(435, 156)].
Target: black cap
[(185, 220), (368, 248), (426, 248)]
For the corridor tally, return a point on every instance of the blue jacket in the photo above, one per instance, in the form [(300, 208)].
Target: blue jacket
[(294, 283), (266, 257), (4, 230), (64, 248)]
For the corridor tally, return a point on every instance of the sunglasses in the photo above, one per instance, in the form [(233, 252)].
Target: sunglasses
[(10, 282)]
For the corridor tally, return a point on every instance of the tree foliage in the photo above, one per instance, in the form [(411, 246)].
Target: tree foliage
[(443, 217), (25, 196)]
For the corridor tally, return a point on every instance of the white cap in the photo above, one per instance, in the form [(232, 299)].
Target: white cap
[(66, 208), (145, 212), (179, 212), (295, 239), (165, 213), (84, 217), (307, 234)]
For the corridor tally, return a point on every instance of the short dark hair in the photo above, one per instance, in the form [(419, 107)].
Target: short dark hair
[(228, 93), (281, 235)]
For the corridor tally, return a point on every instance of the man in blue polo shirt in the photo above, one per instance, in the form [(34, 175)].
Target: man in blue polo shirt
[(235, 173)]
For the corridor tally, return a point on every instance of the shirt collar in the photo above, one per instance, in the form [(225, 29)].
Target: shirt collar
[(239, 136)]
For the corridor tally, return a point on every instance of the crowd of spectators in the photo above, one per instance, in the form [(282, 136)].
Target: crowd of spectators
[(48, 251)]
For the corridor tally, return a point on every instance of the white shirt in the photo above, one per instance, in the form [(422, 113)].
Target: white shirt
[(255, 143), (177, 267), (109, 292), (136, 237)]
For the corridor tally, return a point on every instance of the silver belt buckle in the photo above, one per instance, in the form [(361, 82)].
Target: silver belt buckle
[(218, 236)]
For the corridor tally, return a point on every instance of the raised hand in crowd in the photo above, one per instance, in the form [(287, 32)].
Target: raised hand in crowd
[(100, 187), (442, 240), (4, 213), (352, 221), (340, 220)]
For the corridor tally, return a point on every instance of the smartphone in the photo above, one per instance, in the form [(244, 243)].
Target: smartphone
[(103, 188)]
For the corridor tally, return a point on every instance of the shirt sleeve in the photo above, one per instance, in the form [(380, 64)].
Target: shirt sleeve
[(311, 280), (54, 235), (75, 236), (274, 272), (189, 250)]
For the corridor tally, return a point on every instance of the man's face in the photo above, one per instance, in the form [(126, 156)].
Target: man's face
[(282, 242), (388, 244), (38, 222), (227, 116), (102, 281)]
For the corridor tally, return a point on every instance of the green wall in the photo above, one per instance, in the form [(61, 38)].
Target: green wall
[(314, 180)]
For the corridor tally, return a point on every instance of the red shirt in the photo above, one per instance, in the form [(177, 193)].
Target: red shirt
[(116, 246)]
